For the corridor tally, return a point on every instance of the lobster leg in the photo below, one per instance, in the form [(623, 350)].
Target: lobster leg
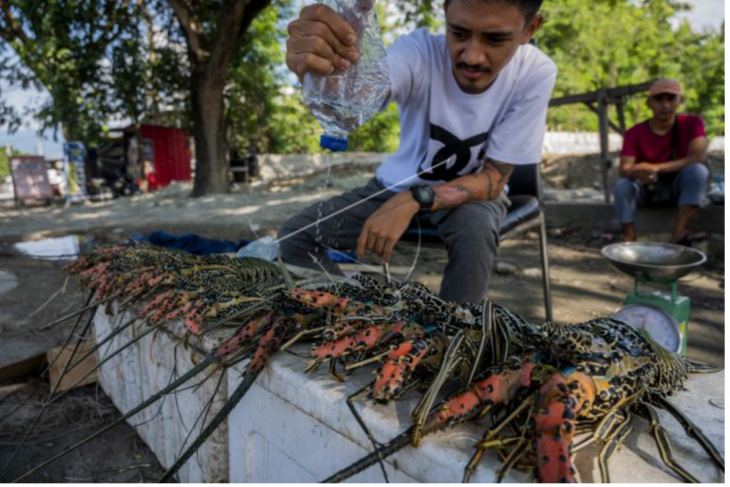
[(603, 431), (491, 434), (616, 438), (662, 442), (376, 444), (694, 432), (513, 457), (498, 386), (333, 370)]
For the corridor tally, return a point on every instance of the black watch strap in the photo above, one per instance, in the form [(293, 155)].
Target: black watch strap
[(424, 196)]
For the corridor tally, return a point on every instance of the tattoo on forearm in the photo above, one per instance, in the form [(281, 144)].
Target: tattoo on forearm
[(490, 187), (450, 197), (504, 171)]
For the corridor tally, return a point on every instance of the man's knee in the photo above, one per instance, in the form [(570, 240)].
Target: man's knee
[(696, 173), (472, 232), (624, 187)]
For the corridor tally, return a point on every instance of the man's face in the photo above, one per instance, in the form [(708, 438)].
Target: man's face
[(482, 37), (664, 105)]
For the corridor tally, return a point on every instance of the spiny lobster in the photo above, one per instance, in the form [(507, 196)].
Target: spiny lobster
[(421, 341), (593, 376)]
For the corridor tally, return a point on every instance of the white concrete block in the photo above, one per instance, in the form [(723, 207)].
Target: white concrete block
[(296, 427), (717, 144), (146, 368)]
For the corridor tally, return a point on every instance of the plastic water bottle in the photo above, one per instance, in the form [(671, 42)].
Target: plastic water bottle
[(346, 99), (264, 248), (717, 190)]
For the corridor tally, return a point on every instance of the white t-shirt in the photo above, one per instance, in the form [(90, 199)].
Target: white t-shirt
[(439, 122)]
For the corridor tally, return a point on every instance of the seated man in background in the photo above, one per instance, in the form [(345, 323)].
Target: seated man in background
[(663, 163)]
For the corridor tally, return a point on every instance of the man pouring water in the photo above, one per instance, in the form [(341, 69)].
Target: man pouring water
[(473, 104)]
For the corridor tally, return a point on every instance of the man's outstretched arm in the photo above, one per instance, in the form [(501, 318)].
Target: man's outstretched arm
[(387, 225)]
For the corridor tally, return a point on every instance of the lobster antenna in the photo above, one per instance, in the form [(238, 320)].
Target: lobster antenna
[(184, 378), (80, 339)]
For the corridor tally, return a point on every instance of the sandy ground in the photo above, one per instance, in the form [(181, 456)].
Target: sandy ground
[(584, 287)]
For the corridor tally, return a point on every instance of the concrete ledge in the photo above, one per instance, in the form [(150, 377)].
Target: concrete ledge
[(296, 427), (600, 216), (145, 368)]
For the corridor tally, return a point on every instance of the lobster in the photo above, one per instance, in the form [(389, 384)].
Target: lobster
[(596, 376), (601, 373)]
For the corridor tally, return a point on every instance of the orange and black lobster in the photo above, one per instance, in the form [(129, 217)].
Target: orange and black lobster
[(597, 374), (594, 377)]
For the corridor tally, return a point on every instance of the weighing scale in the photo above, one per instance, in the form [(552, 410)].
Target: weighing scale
[(659, 314)]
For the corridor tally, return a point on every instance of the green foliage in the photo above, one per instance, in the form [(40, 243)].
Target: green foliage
[(423, 13), (63, 47), (381, 134), (264, 114), (608, 43), (4, 164), (604, 43), (99, 61)]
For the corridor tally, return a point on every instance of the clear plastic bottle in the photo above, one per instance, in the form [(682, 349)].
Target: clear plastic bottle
[(717, 190), (346, 99), (264, 248)]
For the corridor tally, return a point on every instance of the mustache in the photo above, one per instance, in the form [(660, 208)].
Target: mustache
[(481, 69)]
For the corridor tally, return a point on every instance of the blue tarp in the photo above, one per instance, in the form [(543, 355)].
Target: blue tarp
[(189, 242)]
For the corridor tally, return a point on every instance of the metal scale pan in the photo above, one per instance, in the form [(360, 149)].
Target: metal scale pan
[(653, 261)]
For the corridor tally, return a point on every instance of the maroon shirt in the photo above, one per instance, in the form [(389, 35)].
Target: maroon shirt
[(646, 146)]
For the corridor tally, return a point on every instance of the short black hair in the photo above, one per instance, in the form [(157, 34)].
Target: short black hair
[(528, 8)]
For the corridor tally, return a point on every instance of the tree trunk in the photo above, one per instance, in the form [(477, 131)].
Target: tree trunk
[(211, 168), (210, 55)]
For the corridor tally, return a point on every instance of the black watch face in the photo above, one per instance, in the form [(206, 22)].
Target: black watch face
[(424, 196)]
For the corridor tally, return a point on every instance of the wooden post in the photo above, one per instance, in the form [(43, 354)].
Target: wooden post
[(621, 115), (603, 128)]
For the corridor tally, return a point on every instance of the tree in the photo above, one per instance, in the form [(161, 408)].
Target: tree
[(213, 31), (264, 114), (63, 47), (608, 43)]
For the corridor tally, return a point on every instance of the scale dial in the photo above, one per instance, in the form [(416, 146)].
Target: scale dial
[(655, 322)]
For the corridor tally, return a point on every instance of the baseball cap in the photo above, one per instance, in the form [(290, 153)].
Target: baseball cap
[(665, 86)]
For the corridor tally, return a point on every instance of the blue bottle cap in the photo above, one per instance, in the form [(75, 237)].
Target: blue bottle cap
[(335, 144)]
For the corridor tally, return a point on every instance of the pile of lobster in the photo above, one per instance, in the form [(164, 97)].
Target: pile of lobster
[(541, 384)]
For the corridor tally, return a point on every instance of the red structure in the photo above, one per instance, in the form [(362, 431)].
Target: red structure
[(171, 152)]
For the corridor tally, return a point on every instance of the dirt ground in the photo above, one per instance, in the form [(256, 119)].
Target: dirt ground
[(584, 286)]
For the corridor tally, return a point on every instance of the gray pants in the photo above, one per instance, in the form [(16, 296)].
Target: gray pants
[(470, 234), (688, 187)]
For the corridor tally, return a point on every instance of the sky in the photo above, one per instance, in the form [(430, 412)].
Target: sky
[(704, 14)]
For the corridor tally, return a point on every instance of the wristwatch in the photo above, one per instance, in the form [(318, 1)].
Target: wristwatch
[(424, 196)]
